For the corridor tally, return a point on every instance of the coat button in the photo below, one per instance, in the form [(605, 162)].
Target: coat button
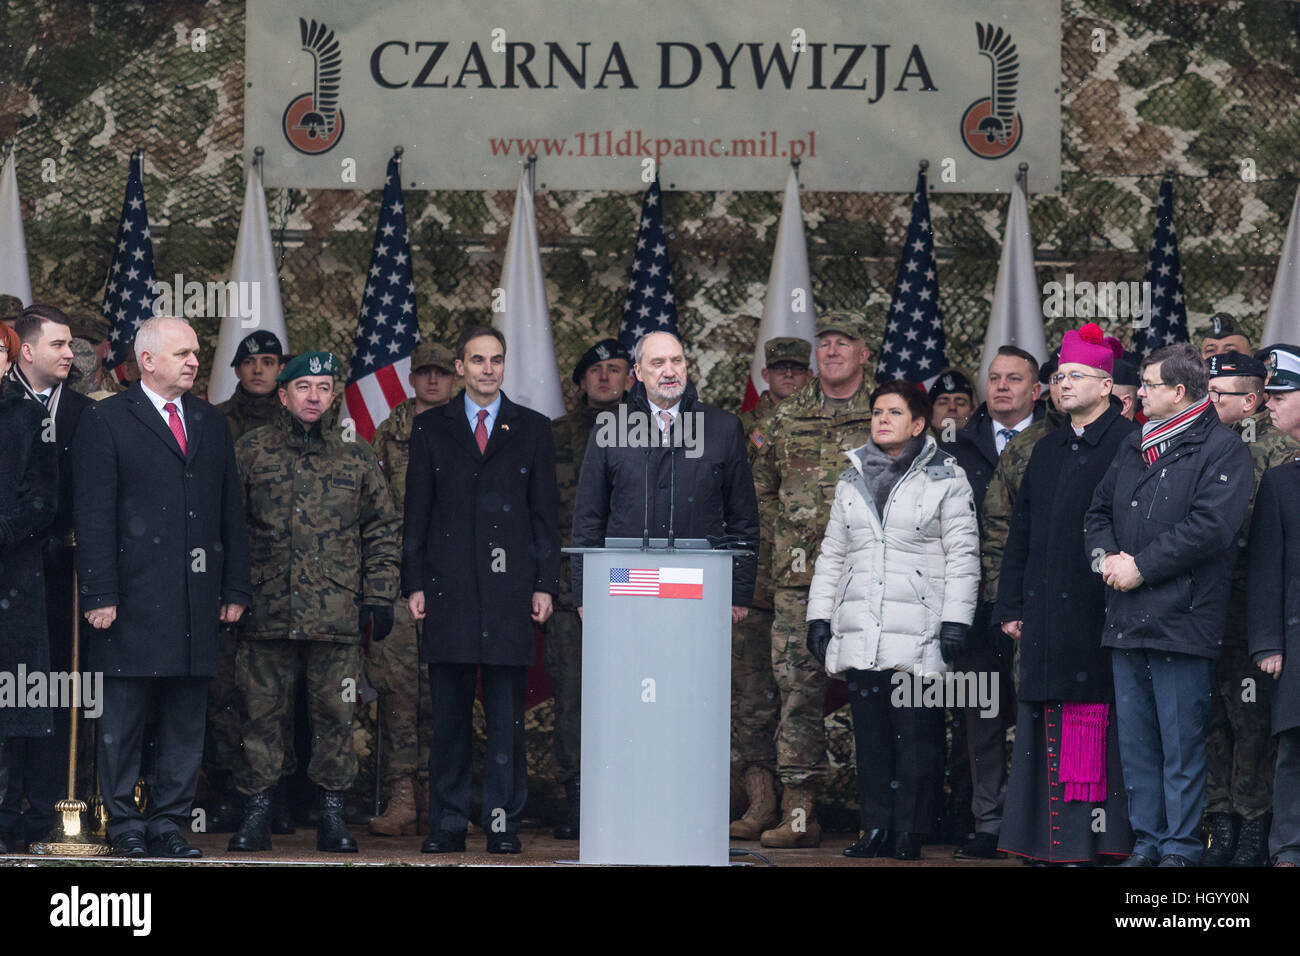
[(1132, 504)]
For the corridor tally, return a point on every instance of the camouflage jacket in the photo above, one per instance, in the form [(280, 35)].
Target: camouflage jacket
[(246, 412), (570, 433), (797, 469), (756, 423), (392, 446), (1000, 499), (1269, 447), (322, 531)]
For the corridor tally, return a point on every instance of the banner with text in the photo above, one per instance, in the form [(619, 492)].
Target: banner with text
[(713, 96)]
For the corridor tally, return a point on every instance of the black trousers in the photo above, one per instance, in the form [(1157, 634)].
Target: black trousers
[(178, 706), (993, 652), (505, 769), (38, 766), (900, 755), (1284, 837)]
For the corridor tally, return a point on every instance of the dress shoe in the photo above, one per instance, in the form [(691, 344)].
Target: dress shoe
[(1252, 843), (1138, 859), (907, 846), (171, 844), (332, 832), (443, 841), (254, 833), (1222, 842), (980, 846), (871, 843), (1173, 859), (129, 844), (503, 843)]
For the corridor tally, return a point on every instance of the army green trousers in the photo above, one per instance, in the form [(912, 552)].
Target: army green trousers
[(221, 740), (755, 705), (405, 707), (563, 656), (265, 673), (802, 682), (1239, 748)]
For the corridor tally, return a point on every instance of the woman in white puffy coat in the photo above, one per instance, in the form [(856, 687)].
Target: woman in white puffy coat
[(893, 593)]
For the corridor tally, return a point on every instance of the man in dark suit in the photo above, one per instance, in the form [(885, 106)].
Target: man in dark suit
[(39, 373), (162, 557), (481, 561)]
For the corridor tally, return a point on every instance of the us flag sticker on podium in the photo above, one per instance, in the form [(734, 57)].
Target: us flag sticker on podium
[(657, 582)]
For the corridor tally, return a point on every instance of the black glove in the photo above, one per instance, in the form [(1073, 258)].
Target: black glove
[(952, 640), (380, 619), (819, 638)]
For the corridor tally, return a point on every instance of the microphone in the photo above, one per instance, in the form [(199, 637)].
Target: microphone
[(672, 490), (645, 534)]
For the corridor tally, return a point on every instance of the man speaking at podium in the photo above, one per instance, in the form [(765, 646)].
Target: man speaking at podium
[(668, 467)]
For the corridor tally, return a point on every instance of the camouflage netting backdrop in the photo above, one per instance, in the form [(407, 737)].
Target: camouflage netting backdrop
[(1197, 87)]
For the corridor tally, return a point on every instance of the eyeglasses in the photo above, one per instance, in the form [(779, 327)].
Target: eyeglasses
[(1215, 394), (1150, 385), (1074, 376)]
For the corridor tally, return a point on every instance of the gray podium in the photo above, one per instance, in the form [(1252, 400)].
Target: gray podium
[(656, 704)]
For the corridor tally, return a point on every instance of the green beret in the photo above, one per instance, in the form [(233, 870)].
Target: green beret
[(308, 363)]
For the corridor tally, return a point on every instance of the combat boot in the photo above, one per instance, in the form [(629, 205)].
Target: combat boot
[(281, 816), (254, 832), (1252, 843), (799, 828), (332, 832), (399, 818), (227, 811), (1222, 842), (760, 786), (569, 829)]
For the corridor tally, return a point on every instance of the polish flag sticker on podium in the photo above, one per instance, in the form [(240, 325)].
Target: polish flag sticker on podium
[(657, 582)]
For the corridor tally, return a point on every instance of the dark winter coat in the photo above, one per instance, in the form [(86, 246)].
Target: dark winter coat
[(160, 535), (480, 532), (976, 451), (1047, 581), (714, 491), (29, 482), (1273, 587), (1179, 519)]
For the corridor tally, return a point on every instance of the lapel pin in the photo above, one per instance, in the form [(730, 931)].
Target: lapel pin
[(505, 428)]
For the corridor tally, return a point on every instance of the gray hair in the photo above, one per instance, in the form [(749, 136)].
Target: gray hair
[(637, 349), (148, 337)]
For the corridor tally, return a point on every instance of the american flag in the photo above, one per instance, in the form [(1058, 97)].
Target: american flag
[(1168, 319), (650, 305), (129, 294), (387, 331), (914, 348)]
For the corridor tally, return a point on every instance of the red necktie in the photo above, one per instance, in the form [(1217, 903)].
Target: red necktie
[(480, 433), (174, 421)]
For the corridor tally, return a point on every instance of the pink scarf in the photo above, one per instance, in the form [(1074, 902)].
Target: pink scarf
[(1083, 751)]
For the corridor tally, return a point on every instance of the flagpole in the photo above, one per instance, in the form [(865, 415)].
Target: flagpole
[(532, 172), (258, 153), (1022, 177)]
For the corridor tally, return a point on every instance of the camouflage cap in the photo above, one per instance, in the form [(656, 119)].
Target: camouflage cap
[(432, 353), (787, 349), (602, 351), (1283, 369), (260, 342), (10, 307), (89, 326), (850, 324), (308, 363)]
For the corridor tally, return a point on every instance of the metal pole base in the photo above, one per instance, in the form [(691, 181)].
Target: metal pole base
[(68, 838)]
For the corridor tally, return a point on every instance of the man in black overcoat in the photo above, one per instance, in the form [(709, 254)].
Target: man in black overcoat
[(1054, 604), (38, 767), (1273, 604), (162, 561), (480, 567)]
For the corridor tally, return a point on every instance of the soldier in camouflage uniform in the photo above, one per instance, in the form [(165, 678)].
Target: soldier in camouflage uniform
[(322, 533), (797, 468), (258, 360), (754, 700), (604, 373), (1240, 749), (393, 667)]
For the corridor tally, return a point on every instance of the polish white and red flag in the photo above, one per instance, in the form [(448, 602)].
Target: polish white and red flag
[(657, 582), (788, 307), (387, 331)]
